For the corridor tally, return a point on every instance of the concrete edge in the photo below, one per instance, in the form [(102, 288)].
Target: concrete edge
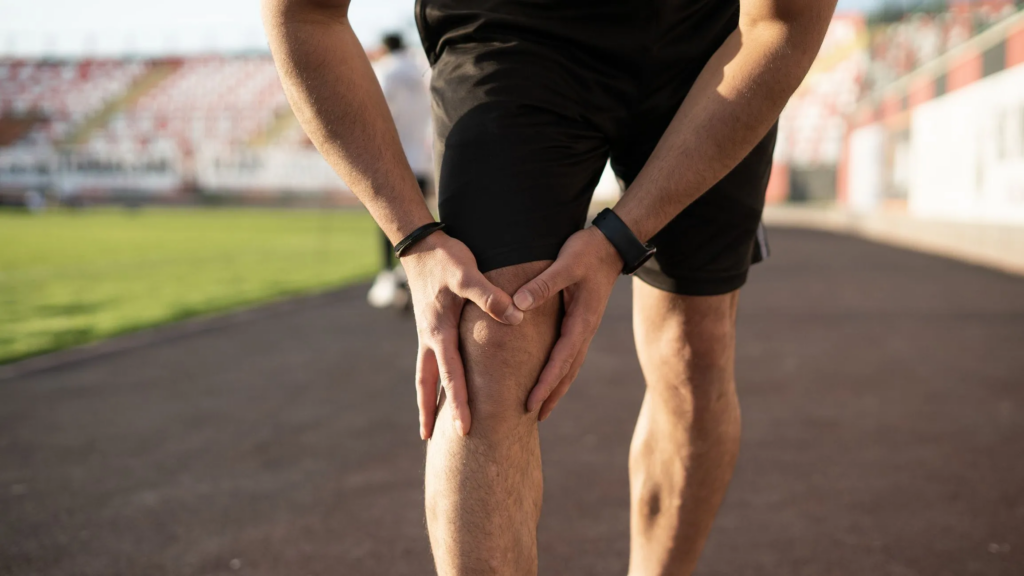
[(172, 331), (998, 247)]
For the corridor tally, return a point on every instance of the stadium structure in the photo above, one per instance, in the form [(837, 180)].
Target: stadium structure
[(922, 115), (918, 112), (156, 128)]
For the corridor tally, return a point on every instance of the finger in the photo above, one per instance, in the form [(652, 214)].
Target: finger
[(426, 390), (453, 378), (547, 284), (560, 362), (563, 386), (491, 299)]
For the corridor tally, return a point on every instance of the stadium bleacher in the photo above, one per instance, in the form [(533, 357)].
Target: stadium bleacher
[(61, 94), (212, 101), (900, 47), (813, 124)]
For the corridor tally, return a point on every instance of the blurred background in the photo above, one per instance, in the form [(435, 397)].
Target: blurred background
[(910, 125), (151, 171)]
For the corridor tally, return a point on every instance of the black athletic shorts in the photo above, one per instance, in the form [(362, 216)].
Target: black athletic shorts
[(532, 97)]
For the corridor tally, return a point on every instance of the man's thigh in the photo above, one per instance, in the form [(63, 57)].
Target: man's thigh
[(517, 153), (515, 182), (676, 334)]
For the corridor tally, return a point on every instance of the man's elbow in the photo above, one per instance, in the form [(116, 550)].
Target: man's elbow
[(799, 18), (797, 31)]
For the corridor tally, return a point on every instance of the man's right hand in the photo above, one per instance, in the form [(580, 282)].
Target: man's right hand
[(443, 275)]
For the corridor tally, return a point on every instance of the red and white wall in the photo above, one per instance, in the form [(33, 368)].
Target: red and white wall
[(947, 141)]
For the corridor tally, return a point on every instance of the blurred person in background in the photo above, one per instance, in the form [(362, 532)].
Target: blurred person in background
[(402, 82), (530, 100)]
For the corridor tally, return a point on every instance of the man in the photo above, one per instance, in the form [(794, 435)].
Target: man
[(529, 100), (402, 82)]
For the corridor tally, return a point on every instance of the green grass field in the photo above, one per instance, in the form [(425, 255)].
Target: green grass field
[(67, 278)]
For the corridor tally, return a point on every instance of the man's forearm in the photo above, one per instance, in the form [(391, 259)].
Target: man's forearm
[(336, 97), (731, 106)]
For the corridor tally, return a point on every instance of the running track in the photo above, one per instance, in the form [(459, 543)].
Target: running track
[(883, 396)]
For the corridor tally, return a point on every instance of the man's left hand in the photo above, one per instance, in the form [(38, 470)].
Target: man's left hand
[(586, 269)]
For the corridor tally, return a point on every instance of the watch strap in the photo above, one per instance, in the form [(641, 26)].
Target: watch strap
[(633, 252)]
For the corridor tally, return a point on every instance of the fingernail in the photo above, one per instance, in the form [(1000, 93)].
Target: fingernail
[(523, 300), (460, 427), (513, 315)]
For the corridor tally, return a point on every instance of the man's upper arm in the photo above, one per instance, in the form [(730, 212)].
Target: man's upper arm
[(283, 9)]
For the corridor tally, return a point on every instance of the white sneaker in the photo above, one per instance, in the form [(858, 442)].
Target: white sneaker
[(403, 297), (382, 293), (400, 278)]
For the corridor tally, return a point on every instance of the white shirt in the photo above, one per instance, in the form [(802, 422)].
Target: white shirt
[(405, 88)]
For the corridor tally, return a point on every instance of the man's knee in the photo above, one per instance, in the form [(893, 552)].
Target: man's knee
[(710, 342), (495, 375), (503, 362)]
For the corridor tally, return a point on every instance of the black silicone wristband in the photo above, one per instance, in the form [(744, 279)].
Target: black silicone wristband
[(415, 236), (633, 252)]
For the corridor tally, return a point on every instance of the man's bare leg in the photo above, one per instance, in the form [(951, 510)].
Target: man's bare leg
[(483, 491), (688, 433)]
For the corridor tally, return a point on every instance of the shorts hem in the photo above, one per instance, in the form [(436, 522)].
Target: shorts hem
[(694, 285), (494, 259)]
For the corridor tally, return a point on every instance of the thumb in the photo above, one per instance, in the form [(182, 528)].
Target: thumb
[(491, 299), (548, 283)]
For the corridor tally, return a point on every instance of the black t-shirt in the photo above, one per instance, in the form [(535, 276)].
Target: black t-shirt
[(622, 53), (617, 32)]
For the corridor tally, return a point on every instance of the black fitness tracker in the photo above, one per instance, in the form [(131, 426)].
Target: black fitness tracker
[(634, 253), (415, 236)]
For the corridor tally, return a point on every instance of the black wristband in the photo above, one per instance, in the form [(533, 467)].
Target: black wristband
[(414, 238), (633, 252)]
